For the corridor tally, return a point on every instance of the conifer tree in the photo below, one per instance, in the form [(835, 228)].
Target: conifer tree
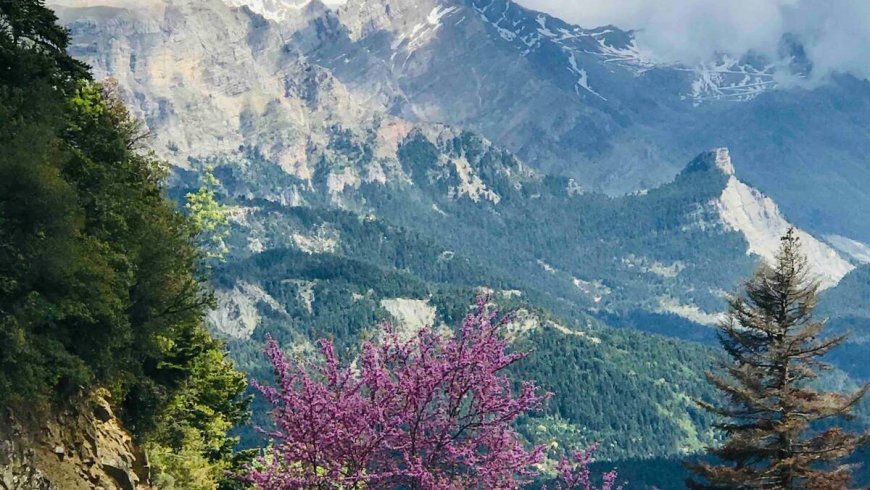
[(778, 426)]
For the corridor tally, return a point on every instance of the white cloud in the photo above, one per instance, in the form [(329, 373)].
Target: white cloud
[(835, 33)]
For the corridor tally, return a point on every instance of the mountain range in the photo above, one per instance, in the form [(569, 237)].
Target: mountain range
[(390, 159), (584, 103)]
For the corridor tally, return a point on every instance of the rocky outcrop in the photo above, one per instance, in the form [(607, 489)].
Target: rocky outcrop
[(82, 446), (757, 217)]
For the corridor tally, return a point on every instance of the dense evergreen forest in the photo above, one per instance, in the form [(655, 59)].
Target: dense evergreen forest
[(101, 281)]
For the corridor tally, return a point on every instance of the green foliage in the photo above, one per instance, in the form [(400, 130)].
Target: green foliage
[(189, 445), (209, 217), (184, 469), (629, 391), (99, 273), (33, 55)]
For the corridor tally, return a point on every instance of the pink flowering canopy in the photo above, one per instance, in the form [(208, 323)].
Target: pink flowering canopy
[(575, 473), (432, 412)]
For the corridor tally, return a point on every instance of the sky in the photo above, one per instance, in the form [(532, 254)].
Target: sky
[(835, 33)]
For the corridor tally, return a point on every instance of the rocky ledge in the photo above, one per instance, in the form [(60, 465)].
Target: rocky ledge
[(82, 446)]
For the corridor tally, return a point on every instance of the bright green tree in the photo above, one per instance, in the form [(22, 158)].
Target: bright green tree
[(209, 216)]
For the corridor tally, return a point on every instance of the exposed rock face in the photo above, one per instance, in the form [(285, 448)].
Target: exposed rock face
[(81, 447), (238, 312), (410, 315), (207, 79), (281, 76), (220, 84), (748, 211)]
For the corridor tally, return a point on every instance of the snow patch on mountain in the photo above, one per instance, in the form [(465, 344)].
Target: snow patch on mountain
[(729, 79), (274, 10), (543, 29), (438, 13), (530, 31), (422, 31), (629, 55), (748, 211), (583, 81)]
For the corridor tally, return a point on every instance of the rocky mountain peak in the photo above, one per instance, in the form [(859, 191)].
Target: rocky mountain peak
[(281, 11), (746, 210), (758, 218), (723, 161), (401, 18), (716, 160)]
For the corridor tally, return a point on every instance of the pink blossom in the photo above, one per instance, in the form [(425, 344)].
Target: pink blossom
[(432, 412), (575, 473)]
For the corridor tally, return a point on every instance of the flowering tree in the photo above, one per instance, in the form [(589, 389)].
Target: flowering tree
[(575, 473), (432, 412)]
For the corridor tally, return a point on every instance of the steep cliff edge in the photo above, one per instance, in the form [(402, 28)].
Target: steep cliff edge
[(82, 446)]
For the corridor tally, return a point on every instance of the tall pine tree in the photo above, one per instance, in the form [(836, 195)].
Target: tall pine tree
[(777, 423)]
